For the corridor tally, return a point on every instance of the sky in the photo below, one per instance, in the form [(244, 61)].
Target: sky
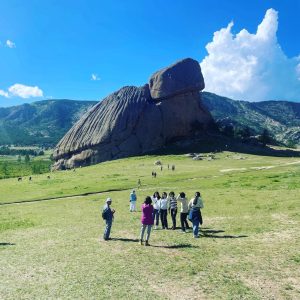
[(85, 50)]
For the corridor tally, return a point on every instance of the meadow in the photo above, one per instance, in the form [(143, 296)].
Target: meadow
[(51, 230), (20, 165)]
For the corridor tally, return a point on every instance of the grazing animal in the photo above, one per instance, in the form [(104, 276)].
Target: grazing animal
[(30, 178), (19, 178), (48, 177)]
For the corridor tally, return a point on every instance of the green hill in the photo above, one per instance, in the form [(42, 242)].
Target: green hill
[(280, 118), (41, 123)]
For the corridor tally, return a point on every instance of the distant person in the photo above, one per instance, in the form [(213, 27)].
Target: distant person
[(132, 201), (108, 216), (195, 213), (173, 167), (173, 208), (147, 220), (155, 201), (139, 182), (161, 167), (163, 210), (183, 211), (154, 174), (168, 166)]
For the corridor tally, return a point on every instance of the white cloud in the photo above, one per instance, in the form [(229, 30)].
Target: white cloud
[(10, 44), (95, 77), (251, 66), (3, 94), (23, 91)]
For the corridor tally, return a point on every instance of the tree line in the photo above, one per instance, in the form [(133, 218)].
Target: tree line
[(5, 150)]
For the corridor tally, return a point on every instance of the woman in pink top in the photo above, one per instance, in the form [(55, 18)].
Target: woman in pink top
[(147, 220)]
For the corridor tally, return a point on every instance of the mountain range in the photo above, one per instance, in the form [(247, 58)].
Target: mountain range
[(41, 123), (44, 123), (280, 118)]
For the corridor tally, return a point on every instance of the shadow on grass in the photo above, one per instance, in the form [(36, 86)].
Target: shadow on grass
[(223, 236), (211, 233), (179, 246), (7, 244), (125, 240), (208, 231)]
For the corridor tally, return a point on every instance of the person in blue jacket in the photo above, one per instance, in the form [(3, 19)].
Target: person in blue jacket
[(108, 216), (132, 201)]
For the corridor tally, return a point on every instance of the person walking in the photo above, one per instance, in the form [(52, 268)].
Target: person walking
[(163, 209), (132, 201), (183, 211), (108, 216), (195, 213), (147, 220), (173, 208), (155, 201)]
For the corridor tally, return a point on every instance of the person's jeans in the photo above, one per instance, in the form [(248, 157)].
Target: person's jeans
[(196, 223), (183, 221), (143, 229), (156, 216), (107, 229), (173, 216), (163, 218), (132, 206)]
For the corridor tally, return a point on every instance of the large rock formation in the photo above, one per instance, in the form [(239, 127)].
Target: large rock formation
[(137, 120), (179, 78)]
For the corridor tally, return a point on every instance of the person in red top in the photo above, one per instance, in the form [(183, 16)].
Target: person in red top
[(147, 220)]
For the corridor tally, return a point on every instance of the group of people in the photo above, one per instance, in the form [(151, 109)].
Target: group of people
[(155, 209)]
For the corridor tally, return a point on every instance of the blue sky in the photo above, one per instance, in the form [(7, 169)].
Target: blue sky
[(50, 49)]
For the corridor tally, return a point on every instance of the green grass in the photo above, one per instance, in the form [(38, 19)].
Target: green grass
[(249, 248), (10, 167)]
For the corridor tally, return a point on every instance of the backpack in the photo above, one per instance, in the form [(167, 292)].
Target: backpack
[(104, 214)]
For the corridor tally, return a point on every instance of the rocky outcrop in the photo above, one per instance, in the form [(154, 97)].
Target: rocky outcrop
[(137, 120), (179, 78)]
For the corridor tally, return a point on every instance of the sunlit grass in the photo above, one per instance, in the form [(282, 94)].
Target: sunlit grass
[(249, 248)]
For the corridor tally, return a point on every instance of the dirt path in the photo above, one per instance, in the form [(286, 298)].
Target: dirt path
[(260, 168), (64, 197)]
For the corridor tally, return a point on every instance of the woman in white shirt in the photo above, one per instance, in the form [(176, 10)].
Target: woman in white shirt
[(163, 208), (195, 214), (183, 211), (155, 202)]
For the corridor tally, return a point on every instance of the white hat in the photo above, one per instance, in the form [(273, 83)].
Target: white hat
[(108, 200)]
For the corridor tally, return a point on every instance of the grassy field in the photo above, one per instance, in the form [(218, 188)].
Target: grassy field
[(249, 245), (15, 165)]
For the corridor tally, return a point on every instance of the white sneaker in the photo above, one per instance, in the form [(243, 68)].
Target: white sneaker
[(155, 227)]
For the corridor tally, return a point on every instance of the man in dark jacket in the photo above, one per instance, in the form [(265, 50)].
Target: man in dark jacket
[(108, 216)]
